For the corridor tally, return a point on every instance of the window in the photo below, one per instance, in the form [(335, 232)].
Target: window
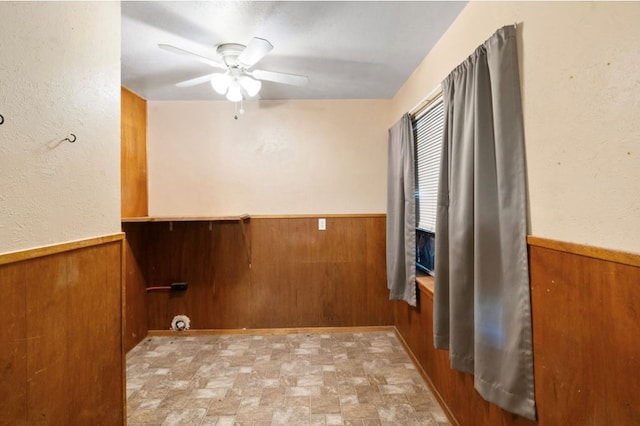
[(428, 126)]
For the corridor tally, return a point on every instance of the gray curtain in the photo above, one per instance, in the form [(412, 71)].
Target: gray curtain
[(401, 213), (482, 311)]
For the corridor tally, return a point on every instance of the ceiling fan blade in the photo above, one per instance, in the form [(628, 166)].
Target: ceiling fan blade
[(280, 77), (255, 50), (195, 81), (182, 52)]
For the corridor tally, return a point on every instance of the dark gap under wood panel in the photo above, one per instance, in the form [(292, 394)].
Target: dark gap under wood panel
[(65, 360)]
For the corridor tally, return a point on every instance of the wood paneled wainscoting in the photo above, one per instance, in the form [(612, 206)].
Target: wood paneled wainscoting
[(133, 154), (62, 358), (585, 308), (276, 272)]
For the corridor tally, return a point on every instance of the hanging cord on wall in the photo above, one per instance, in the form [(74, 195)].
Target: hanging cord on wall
[(159, 287), (173, 287)]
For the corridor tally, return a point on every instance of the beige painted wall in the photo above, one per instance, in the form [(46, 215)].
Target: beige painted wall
[(293, 157), (580, 72), (59, 74)]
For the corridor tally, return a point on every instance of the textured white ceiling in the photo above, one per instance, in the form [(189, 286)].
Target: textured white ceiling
[(349, 50)]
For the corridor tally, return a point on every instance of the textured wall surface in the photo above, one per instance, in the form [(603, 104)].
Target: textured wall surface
[(293, 157), (579, 66), (59, 74)]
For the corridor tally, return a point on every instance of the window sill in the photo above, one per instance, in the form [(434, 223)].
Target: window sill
[(426, 283)]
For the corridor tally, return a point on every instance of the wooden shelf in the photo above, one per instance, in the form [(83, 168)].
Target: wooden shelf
[(170, 219), (185, 218)]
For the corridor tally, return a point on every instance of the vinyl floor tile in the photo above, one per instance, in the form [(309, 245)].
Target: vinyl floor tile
[(288, 379)]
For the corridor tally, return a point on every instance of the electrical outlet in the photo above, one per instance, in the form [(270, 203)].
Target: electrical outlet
[(322, 224)]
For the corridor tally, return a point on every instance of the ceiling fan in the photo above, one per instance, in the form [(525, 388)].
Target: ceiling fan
[(236, 77)]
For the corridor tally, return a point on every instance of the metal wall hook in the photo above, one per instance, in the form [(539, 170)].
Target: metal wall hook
[(1, 119), (70, 140)]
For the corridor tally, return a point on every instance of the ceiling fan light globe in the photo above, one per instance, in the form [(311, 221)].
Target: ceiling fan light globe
[(234, 94), (250, 85), (220, 83)]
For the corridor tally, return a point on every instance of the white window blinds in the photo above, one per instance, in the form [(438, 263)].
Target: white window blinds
[(428, 127)]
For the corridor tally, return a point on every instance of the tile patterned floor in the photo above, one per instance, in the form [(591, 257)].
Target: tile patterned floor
[(289, 379)]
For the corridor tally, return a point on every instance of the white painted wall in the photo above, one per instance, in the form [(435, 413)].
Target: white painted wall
[(293, 157), (580, 77), (59, 74)]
